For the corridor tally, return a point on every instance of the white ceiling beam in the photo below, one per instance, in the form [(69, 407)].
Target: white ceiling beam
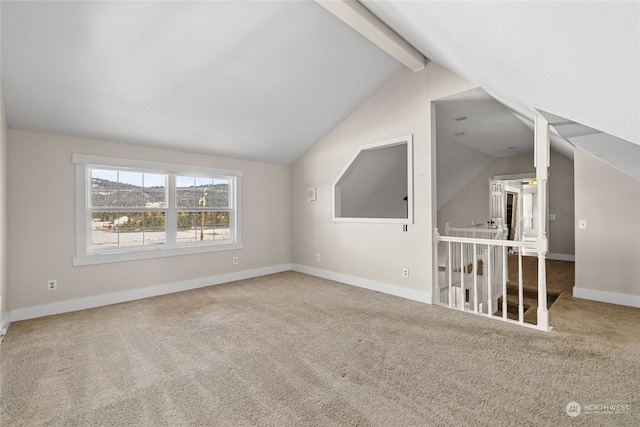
[(366, 23)]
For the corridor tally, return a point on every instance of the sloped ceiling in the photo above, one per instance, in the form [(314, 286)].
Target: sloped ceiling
[(579, 60), (617, 152), (255, 80), (472, 129), (267, 80), (475, 119)]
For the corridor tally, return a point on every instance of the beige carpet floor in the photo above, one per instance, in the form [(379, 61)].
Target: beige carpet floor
[(294, 350)]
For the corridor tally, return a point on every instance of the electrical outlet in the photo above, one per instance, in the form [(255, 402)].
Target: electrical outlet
[(235, 259), (405, 272), (552, 217), (318, 257), (52, 285)]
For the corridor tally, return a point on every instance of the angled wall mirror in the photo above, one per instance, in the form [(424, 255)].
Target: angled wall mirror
[(377, 184)]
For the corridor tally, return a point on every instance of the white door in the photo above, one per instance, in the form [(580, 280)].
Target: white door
[(498, 204), (515, 187)]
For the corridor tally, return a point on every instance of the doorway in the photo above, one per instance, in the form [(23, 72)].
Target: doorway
[(512, 202)]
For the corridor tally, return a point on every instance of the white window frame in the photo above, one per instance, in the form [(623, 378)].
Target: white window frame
[(84, 163)]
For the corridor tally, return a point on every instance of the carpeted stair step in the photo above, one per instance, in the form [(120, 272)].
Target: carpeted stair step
[(530, 315), (531, 292), (512, 301), (529, 303)]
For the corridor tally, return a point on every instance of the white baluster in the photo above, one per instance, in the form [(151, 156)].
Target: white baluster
[(504, 282), (520, 289), (489, 284), (467, 257), (462, 268), (450, 271), (475, 280)]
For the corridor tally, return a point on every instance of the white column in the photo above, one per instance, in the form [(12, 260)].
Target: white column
[(542, 160)]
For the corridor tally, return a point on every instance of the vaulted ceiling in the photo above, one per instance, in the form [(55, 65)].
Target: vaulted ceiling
[(579, 60), (267, 80), (254, 80)]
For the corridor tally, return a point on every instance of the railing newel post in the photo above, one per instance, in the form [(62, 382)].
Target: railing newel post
[(435, 297)]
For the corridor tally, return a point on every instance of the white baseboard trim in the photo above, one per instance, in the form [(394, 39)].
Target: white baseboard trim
[(561, 257), (134, 294), (386, 288), (5, 324), (610, 297)]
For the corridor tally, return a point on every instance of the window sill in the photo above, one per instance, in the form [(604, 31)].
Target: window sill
[(374, 220), (105, 258)]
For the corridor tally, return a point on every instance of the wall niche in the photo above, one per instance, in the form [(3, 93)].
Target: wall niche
[(376, 185)]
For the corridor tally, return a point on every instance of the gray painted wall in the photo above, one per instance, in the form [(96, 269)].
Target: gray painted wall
[(42, 233), (608, 251), (365, 250), (457, 165), (472, 202), (562, 238)]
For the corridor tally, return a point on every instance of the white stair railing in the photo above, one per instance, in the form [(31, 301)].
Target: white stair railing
[(465, 255), (494, 249), (479, 293)]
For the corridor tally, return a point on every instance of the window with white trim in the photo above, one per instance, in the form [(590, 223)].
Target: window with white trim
[(128, 209)]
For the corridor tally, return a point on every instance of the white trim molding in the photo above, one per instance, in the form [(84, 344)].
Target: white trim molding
[(5, 324), (169, 288), (154, 252), (85, 255), (135, 294), (336, 215), (386, 288), (88, 159), (609, 297), (366, 23)]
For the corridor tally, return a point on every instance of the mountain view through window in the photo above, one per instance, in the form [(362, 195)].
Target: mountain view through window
[(130, 209)]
